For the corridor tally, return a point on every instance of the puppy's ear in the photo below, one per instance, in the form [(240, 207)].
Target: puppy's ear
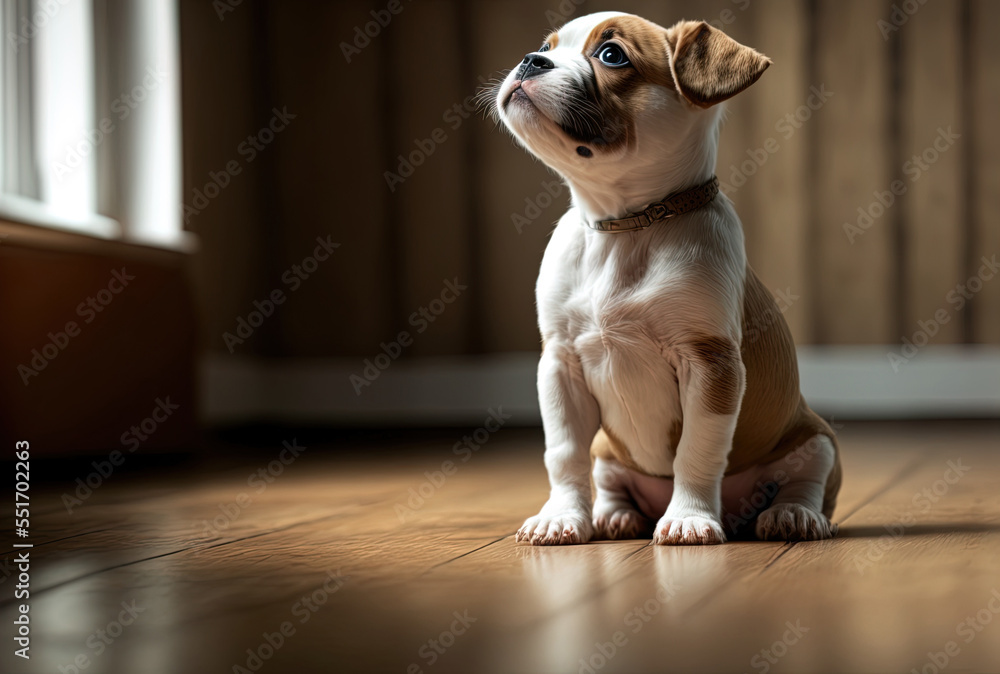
[(709, 66)]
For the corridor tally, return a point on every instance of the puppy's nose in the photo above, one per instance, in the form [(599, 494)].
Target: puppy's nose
[(533, 64)]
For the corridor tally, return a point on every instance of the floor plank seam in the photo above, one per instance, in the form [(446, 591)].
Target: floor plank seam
[(636, 552), (908, 469), (167, 554), (465, 554), (66, 538), (785, 549)]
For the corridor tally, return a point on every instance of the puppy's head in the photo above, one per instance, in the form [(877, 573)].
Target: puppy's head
[(612, 88)]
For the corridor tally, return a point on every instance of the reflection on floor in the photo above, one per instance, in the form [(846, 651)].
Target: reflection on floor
[(404, 561)]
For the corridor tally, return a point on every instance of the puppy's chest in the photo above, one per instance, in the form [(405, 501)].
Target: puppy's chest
[(615, 311), (628, 301), (623, 318)]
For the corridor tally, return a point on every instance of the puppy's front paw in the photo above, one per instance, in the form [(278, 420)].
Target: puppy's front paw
[(793, 522), (690, 530), (563, 527), (619, 523)]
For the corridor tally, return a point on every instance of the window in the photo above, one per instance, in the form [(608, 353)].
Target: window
[(90, 118)]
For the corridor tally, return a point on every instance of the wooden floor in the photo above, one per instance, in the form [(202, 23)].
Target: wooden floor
[(327, 552)]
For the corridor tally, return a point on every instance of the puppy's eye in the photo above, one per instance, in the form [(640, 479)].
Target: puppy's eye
[(612, 55), (544, 47)]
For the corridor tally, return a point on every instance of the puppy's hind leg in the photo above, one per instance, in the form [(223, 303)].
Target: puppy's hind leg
[(616, 515), (800, 509)]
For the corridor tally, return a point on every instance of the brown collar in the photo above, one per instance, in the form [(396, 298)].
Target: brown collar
[(673, 205)]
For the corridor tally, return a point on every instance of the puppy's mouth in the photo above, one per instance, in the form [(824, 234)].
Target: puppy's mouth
[(518, 94), (575, 114)]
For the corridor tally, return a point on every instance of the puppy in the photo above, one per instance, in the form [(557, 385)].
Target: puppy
[(667, 371)]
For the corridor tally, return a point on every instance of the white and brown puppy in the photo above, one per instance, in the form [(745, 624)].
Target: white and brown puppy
[(664, 356)]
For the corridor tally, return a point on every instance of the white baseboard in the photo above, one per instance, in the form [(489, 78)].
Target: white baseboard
[(859, 382), (844, 382)]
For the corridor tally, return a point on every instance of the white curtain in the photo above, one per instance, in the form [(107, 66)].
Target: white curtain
[(140, 169)]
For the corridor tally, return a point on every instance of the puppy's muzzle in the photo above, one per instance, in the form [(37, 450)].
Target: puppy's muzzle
[(534, 65)]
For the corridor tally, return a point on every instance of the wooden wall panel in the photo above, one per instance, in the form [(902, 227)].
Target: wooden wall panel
[(329, 166), (215, 77), (852, 282), (432, 231), (930, 107), (777, 239), (984, 144)]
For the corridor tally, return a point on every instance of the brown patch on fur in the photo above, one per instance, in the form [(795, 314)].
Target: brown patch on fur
[(772, 403), (709, 66), (552, 39), (774, 418), (644, 42), (720, 359), (617, 90), (772, 395)]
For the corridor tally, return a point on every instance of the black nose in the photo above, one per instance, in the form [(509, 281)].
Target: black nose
[(533, 64)]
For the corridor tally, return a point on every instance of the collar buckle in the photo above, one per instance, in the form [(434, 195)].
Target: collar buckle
[(657, 211)]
